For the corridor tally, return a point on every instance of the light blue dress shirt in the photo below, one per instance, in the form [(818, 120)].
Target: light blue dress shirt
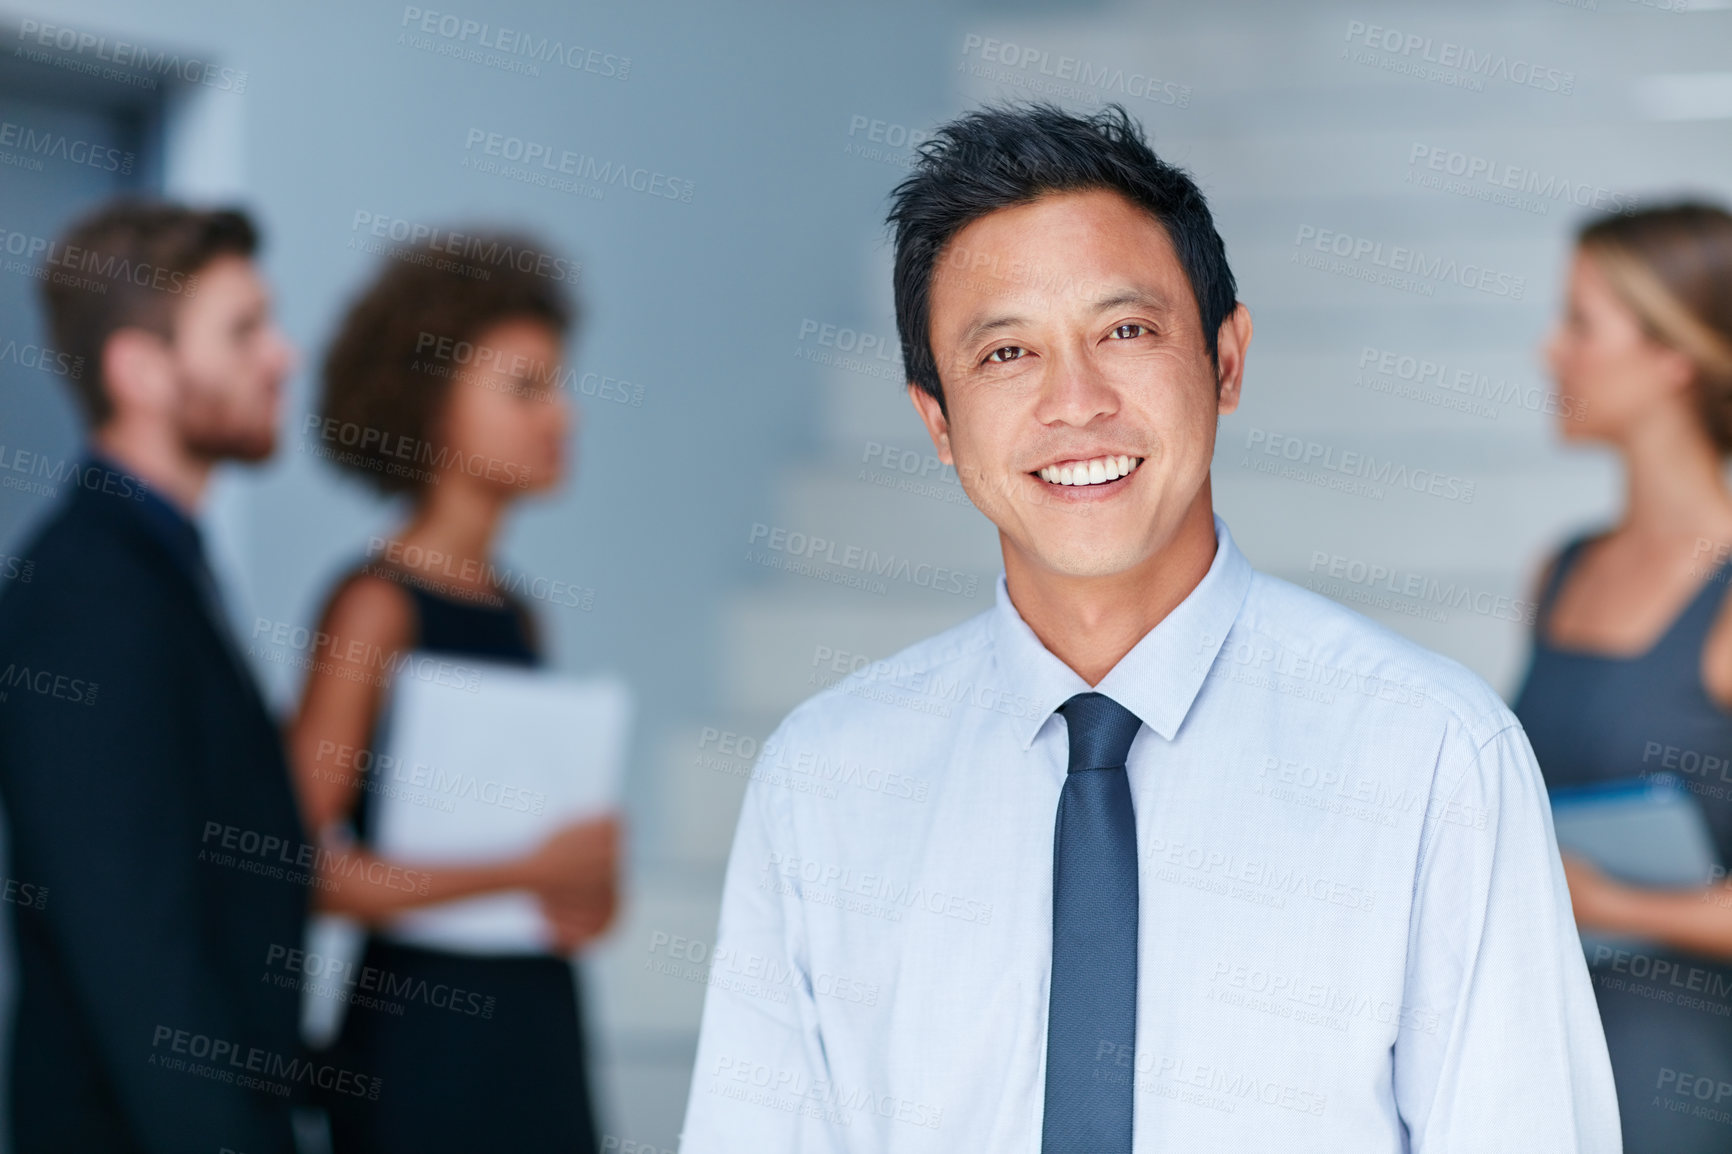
[(1354, 934)]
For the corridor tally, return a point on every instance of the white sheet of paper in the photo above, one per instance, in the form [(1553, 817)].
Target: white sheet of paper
[(485, 773)]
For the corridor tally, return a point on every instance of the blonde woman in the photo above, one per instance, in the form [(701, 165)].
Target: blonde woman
[(1631, 671)]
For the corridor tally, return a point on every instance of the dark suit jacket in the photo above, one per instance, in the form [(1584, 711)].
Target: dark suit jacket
[(142, 776)]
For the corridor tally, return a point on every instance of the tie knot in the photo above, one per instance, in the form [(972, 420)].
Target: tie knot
[(1101, 731)]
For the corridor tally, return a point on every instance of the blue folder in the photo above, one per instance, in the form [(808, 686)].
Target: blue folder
[(1648, 831)]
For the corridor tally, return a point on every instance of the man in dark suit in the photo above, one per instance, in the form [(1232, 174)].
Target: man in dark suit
[(150, 808)]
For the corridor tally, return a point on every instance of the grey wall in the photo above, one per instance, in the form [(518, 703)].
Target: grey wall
[(718, 308)]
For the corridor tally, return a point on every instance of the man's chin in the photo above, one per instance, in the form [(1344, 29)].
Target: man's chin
[(1083, 559), (246, 449)]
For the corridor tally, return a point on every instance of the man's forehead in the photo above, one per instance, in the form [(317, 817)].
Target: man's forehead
[(1017, 264), (1074, 223), (231, 266), (237, 278), (225, 287)]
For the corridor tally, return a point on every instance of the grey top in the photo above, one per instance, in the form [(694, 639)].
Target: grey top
[(1592, 717)]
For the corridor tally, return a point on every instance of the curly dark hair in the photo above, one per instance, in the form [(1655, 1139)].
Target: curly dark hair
[(997, 157), (388, 371)]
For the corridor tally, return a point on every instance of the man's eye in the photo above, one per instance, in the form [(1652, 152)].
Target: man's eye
[(1007, 353), (1128, 332)]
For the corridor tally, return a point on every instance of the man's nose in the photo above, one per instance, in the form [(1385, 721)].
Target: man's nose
[(1075, 390)]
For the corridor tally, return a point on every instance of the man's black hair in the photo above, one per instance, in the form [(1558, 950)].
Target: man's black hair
[(998, 157)]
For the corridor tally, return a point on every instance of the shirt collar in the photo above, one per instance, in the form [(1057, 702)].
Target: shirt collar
[(1161, 675)]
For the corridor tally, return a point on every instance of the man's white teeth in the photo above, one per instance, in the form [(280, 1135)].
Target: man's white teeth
[(1091, 472)]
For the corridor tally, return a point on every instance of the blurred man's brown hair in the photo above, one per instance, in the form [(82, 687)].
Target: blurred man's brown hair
[(131, 264)]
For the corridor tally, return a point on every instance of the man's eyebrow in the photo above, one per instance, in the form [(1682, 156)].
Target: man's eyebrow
[(992, 324), (982, 327), (1146, 297)]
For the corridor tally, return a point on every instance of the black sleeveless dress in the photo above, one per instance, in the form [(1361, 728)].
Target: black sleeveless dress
[(1593, 718), (473, 1053)]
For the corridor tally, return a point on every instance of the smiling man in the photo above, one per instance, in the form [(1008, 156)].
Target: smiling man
[(1203, 861)]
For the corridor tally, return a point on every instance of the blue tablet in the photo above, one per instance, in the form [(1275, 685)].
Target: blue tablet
[(1647, 831)]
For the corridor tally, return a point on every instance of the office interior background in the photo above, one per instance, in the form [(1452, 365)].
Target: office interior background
[(1398, 213)]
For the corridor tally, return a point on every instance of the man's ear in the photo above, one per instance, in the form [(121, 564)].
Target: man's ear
[(932, 416), (1231, 341), (137, 371)]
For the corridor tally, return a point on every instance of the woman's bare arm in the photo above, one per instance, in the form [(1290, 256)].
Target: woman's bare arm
[(368, 621), (1696, 919)]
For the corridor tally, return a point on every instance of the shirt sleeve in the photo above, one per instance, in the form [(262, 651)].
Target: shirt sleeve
[(1517, 1059), (759, 1081)]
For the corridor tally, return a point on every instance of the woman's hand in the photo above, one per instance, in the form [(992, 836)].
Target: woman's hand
[(1600, 902), (576, 923), (575, 876)]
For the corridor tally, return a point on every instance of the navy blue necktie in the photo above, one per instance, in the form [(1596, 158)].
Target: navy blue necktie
[(1091, 1027)]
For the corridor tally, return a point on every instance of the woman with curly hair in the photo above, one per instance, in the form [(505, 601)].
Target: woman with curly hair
[(443, 387)]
